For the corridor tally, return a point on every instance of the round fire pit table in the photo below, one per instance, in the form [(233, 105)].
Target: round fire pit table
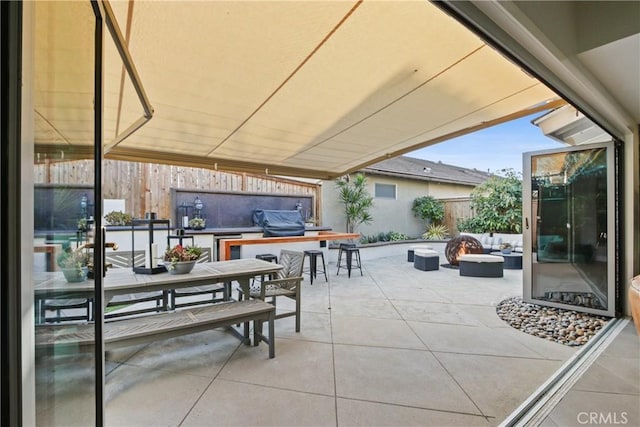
[(512, 261)]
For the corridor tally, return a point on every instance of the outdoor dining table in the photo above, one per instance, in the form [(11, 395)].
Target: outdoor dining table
[(124, 281)]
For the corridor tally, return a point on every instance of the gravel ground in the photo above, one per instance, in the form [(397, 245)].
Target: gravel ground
[(554, 324)]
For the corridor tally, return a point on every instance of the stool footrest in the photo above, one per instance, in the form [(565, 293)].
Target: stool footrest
[(312, 270)]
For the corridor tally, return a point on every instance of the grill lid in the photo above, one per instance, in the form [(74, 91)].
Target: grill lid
[(279, 223)]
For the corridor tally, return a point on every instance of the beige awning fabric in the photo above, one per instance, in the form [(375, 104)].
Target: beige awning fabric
[(304, 88)]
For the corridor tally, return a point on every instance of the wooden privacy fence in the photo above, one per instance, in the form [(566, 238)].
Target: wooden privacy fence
[(454, 209), (146, 187)]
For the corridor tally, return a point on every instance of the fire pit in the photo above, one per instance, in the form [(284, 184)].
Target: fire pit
[(461, 245)]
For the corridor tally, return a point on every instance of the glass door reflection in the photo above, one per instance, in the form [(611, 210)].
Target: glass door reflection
[(63, 191), (572, 216)]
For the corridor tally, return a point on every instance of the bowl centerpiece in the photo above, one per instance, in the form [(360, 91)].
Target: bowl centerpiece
[(74, 265), (181, 259), (197, 223), (506, 248)]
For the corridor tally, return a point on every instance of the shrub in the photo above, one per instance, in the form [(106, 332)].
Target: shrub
[(497, 204), (368, 239), (391, 236), (428, 209), (470, 225), (395, 236)]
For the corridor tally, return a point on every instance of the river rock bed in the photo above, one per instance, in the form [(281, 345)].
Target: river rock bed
[(566, 327)]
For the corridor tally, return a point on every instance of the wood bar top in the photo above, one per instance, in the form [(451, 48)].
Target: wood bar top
[(225, 249)]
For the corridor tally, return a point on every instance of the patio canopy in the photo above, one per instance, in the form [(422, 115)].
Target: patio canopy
[(309, 89)]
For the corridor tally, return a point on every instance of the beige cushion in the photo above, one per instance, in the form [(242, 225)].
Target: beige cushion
[(414, 247), (480, 258), (424, 252)]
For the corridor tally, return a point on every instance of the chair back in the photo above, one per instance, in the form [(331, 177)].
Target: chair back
[(291, 263), (205, 256)]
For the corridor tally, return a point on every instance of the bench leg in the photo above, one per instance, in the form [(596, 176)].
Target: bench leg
[(246, 332), (258, 334), (226, 293), (272, 335)]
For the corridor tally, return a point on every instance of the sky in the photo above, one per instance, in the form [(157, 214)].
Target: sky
[(492, 149)]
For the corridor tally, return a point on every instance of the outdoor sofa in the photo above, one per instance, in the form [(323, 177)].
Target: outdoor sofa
[(493, 241)]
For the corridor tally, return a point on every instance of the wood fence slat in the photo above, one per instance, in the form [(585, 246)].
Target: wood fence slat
[(147, 187), (455, 209)]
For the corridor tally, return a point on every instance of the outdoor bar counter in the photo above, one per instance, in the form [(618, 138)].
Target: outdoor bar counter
[(228, 243), (234, 243)]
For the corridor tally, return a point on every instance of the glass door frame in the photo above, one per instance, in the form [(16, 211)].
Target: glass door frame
[(17, 387), (613, 235), (11, 363)]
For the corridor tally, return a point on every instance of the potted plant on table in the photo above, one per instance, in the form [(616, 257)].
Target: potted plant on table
[(74, 265), (118, 218), (505, 248), (181, 259), (83, 224), (197, 223)]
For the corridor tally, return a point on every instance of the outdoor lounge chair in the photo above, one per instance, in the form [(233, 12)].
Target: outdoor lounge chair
[(286, 284)]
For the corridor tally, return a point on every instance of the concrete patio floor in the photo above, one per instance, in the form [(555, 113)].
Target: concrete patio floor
[(396, 346)]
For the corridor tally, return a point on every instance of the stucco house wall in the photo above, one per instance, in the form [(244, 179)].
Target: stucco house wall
[(389, 214)]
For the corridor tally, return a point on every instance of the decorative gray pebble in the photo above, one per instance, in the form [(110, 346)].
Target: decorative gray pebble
[(566, 327)]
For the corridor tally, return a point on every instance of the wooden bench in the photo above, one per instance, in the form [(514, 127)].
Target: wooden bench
[(138, 330)]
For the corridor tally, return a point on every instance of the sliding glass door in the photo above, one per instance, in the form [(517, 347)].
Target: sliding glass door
[(570, 234), (64, 130)]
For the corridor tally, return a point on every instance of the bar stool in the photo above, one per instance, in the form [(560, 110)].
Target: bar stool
[(349, 249), (313, 264), (265, 257)]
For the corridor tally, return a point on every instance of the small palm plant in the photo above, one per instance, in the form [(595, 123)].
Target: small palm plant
[(353, 194), (436, 232)]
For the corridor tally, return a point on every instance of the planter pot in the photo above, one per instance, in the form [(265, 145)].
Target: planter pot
[(74, 275), (182, 267), (506, 251)]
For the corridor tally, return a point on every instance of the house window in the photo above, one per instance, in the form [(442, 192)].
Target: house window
[(385, 191)]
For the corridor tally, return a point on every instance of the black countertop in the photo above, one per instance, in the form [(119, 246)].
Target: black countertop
[(187, 232), (241, 230)]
